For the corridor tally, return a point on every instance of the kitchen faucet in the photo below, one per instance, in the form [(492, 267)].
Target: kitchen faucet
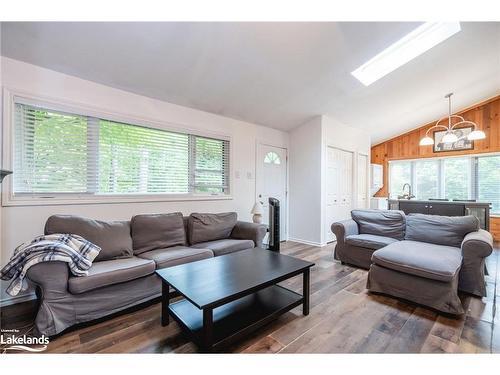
[(408, 195)]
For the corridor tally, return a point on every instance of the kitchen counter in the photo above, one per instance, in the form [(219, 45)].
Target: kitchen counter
[(444, 208)]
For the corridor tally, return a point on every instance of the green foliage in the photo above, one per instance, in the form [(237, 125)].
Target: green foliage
[(62, 153), (489, 181), (57, 161), (456, 178)]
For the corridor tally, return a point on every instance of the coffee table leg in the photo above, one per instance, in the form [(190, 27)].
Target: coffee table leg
[(208, 321), (165, 301), (305, 291)]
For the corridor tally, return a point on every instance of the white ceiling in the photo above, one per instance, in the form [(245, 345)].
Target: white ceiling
[(274, 74)]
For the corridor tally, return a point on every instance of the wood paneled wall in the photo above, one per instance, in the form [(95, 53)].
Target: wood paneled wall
[(485, 114)]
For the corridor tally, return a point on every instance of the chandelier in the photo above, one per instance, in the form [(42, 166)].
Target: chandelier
[(450, 135)]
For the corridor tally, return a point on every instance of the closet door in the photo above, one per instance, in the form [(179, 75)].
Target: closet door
[(332, 190), (346, 178), (362, 187), (339, 188)]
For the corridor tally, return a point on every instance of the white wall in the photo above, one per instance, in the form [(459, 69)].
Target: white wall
[(305, 156), (308, 173), (21, 224)]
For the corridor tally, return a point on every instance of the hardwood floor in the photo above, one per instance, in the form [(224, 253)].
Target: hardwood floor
[(344, 318)]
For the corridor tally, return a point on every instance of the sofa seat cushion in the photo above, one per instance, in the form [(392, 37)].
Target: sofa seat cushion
[(221, 247), (370, 241), (110, 272), (436, 262), (173, 256)]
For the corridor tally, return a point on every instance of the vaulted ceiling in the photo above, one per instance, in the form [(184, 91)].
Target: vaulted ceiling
[(273, 74)]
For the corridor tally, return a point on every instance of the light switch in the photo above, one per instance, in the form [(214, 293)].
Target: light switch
[(249, 175), (237, 174)]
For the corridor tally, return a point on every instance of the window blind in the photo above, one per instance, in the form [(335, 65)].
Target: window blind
[(470, 177), (51, 151), (57, 152), (210, 165), (134, 159), (488, 181)]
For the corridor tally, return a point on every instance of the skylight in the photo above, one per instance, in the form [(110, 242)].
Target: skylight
[(420, 40)]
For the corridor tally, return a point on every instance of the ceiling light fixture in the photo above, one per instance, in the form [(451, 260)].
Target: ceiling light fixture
[(420, 40), (450, 135)]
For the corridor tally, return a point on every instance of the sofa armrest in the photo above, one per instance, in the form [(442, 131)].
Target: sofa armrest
[(249, 231), (477, 244), (344, 228), (51, 277)]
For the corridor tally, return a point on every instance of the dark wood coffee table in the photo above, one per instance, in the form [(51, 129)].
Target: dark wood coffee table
[(232, 295)]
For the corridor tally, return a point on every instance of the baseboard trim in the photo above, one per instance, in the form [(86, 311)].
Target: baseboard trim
[(17, 299), (306, 242)]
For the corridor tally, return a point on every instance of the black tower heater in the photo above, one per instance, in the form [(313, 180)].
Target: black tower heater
[(274, 225)]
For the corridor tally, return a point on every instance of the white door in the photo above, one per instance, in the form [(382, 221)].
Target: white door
[(362, 186), (271, 181), (339, 188)]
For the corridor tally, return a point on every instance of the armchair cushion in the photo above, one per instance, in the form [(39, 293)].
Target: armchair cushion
[(157, 231), (386, 223), (435, 262), (440, 230), (113, 237), (370, 241)]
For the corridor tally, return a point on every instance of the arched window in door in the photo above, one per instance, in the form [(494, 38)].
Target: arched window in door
[(272, 158)]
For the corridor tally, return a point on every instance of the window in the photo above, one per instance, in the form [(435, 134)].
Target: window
[(488, 181), (427, 179), (457, 179), (272, 158), (470, 177), (211, 163), (400, 174), (62, 153)]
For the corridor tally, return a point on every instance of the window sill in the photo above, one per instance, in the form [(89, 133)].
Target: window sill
[(88, 200)]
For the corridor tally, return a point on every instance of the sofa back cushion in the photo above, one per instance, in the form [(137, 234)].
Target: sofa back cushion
[(440, 230), (157, 231), (386, 223), (210, 227), (113, 237)]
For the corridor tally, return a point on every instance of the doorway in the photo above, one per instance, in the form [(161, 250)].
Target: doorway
[(271, 181)]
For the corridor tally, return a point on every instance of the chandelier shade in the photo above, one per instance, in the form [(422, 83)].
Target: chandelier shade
[(426, 141), (450, 135)]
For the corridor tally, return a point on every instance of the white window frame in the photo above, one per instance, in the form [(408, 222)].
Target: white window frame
[(472, 173), (11, 96)]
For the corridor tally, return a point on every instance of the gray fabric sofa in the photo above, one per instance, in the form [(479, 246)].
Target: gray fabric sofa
[(422, 258), (123, 274)]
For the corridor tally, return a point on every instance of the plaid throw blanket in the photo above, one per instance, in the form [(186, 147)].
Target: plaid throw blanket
[(72, 249)]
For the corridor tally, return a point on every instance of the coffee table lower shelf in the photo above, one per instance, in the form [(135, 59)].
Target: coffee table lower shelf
[(236, 318)]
